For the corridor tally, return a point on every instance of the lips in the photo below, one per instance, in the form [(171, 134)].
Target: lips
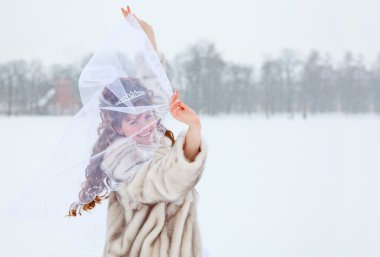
[(146, 134)]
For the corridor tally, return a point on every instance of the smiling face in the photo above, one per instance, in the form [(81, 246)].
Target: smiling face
[(141, 127)]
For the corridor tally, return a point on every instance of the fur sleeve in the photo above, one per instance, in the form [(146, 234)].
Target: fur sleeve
[(170, 176)]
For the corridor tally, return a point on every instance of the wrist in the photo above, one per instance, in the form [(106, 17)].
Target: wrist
[(195, 125)]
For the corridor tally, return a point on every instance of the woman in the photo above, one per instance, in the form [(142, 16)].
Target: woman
[(153, 212)]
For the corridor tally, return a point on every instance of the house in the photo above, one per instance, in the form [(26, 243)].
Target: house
[(60, 99)]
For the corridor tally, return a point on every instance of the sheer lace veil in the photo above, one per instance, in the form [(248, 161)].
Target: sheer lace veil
[(125, 95)]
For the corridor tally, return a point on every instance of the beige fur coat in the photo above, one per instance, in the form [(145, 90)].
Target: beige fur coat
[(154, 215)]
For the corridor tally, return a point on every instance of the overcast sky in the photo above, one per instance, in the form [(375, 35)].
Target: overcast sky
[(244, 30)]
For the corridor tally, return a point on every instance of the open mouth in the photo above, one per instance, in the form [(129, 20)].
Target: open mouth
[(146, 134)]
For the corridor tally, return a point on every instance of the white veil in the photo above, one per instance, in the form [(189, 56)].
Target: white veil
[(123, 84)]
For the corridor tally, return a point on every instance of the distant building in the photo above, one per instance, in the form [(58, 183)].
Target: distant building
[(60, 99)]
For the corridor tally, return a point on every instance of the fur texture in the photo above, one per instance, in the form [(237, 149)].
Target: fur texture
[(154, 215)]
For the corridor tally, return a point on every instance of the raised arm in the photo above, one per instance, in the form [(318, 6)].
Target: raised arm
[(178, 109), (144, 25), (185, 114)]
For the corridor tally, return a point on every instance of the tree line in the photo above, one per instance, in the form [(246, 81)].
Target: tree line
[(212, 85)]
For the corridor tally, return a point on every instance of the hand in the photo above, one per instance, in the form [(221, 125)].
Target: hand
[(182, 112), (144, 25)]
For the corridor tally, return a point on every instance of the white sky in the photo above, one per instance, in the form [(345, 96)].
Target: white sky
[(243, 30)]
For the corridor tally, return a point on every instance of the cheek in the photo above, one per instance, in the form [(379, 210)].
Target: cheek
[(128, 129), (155, 124)]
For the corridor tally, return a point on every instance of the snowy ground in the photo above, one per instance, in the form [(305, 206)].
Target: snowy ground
[(274, 187)]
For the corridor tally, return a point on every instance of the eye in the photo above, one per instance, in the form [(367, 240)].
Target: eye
[(149, 115), (132, 122)]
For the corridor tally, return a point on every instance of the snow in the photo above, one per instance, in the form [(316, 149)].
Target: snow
[(271, 187)]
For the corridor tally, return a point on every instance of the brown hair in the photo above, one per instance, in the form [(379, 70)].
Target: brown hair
[(95, 177)]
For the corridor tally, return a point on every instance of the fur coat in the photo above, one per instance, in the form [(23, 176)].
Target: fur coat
[(154, 214)]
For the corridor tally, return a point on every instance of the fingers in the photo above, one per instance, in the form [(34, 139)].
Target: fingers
[(182, 105), (174, 96), (172, 99), (126, 11), (173, 105), (177, 105)]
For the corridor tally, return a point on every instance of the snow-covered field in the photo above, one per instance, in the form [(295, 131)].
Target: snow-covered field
[(273, 187)]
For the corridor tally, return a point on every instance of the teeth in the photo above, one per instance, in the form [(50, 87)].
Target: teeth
[(146, 134)]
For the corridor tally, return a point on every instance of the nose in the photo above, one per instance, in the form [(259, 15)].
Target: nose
[(146, 125)]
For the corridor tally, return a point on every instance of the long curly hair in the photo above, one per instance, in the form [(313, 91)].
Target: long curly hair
[(96, 181)]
